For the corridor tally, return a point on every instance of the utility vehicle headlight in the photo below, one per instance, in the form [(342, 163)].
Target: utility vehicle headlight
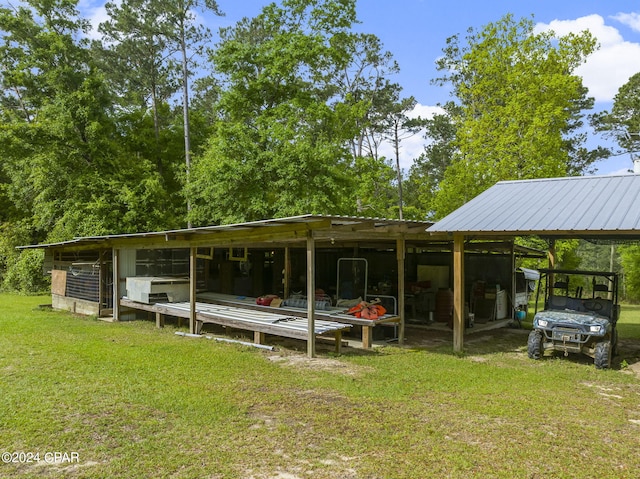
[(595, 329), (542, 323)]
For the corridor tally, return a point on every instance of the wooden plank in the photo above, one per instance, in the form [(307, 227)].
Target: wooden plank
[(159, 320), (237, 318), (157, 307), (334, 314), (59, 282)]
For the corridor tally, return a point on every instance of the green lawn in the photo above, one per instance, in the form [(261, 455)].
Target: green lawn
[(133, 401)]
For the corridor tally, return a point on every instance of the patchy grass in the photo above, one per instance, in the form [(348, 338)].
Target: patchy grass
[(133, 401)]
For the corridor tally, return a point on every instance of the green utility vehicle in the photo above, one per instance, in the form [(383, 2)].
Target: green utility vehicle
[(580, 314)]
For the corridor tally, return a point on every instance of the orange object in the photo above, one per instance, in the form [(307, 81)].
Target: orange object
[(373, 312), (357, 309)]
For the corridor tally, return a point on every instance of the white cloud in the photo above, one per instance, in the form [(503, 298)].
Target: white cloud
[(412, 147), (94, 11), (609, 67), (632, 20), (425, 111)]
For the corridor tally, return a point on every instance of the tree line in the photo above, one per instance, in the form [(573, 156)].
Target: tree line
[(151, 126)]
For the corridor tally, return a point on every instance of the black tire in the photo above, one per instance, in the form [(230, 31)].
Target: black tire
[(534, 344), (602, 358)]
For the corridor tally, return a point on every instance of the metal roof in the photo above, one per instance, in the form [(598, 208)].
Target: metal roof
[(338, 226), (585, 206)]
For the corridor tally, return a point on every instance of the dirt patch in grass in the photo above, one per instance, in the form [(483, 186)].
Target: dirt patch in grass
[(302, 361)]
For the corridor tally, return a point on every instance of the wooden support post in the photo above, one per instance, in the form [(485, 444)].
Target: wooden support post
[(458, 293), (101, 277), (192, 290), (338, 336), (258, 337), (367, 337), (159, 320), (287, 271), (552, 265), (116, 284), (512, 314), (311, 294), (401, 252)]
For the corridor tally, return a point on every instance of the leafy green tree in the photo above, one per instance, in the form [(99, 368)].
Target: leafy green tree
[(150, 49), (400, 128), (139, 57), (281, 143), (427, 171), (622, 123), (367, 80), (188, 35), (630, 261), (66, 169), (373, 192), (598, 257), (520, 107), (56, 134)]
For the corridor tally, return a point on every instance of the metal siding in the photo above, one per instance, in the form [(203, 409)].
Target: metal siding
[(591, 203)]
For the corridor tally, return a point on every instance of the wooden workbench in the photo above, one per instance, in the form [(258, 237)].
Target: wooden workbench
[(333, 314), (278, 323)]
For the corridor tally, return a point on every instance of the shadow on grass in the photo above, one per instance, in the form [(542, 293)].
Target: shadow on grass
[(514, 341)]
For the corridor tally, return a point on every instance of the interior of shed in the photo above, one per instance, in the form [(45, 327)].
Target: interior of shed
[(342, 273)]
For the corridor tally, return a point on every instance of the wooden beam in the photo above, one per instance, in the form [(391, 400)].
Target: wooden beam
[(311, 294), (193, 252), (458, 293), (235, 237), (116, 284), (401, 253)]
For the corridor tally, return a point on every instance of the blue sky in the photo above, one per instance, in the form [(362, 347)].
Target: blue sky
[(415, 32)]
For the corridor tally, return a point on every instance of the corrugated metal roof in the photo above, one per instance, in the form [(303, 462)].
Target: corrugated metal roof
[(309, 220), (585, 205), (361, 225)]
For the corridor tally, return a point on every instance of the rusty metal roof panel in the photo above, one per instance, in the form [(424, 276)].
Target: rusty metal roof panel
[(309, 221), (587, 204)]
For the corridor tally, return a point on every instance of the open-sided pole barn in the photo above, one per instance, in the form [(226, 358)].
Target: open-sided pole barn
[(306, 233), (398, 261), (601, 208)]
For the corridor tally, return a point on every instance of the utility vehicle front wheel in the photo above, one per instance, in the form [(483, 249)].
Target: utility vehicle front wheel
[(534, 344), (602, 358)]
